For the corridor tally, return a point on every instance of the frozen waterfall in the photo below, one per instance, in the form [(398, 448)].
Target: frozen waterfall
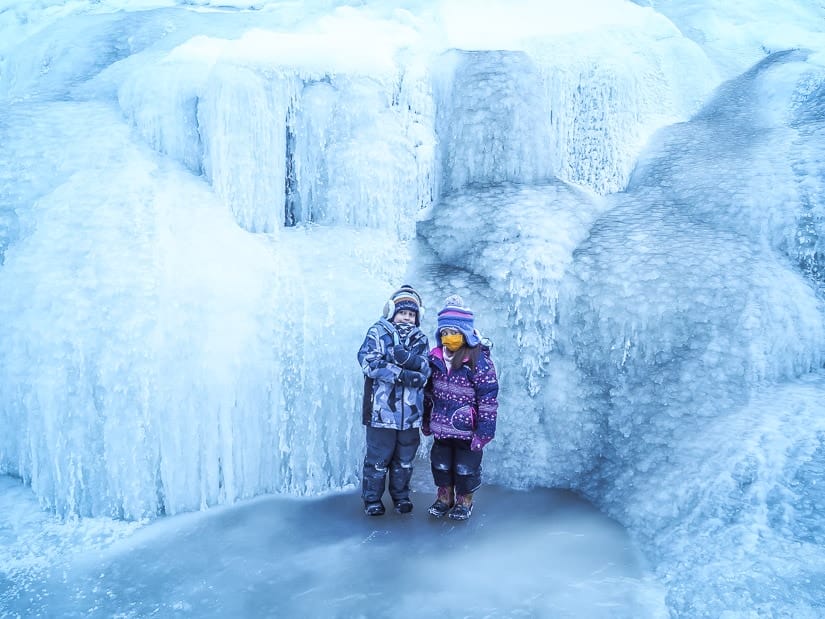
[(203, 208), (192, 360)]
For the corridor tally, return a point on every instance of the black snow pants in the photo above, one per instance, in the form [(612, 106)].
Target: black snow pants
[(455, 464), (393, 451)]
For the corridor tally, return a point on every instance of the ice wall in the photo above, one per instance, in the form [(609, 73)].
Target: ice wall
[(154, 352), (507, 247), (575, 106), (322, 133), (275, 176), (493, 100), (200, 218), (157, 357), (661, 349), (705, 333)]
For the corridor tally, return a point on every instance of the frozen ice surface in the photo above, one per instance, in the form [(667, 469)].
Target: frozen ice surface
[(33, 541), (542, 553)]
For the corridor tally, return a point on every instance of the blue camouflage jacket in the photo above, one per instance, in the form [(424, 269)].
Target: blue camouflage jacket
[(396, 370)]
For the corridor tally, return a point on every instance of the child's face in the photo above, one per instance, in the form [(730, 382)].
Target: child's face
[(404, 317), (451, 338)]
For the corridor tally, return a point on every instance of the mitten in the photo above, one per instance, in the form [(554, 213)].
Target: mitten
[(405, 358), (477, 444), (408, 378)]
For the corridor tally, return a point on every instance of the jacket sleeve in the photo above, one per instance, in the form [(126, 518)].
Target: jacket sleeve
[(371, 356), (428, 402), (485, 382)]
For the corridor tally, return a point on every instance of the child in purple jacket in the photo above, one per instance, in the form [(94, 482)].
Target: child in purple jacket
[(460, 408)]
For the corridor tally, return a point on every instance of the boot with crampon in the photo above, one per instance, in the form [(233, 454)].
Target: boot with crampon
[(463, 507), (443, 502)]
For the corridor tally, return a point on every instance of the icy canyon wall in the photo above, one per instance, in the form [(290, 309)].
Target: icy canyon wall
[(203, 210), (158, 358)]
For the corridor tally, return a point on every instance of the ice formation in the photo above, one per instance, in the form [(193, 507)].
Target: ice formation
[(204, 208)]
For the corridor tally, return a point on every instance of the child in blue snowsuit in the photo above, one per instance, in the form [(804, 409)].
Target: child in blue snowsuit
[(393, 358)]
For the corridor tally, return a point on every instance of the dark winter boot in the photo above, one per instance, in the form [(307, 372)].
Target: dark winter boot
[(403, 506), (443, 502), (374, 508), (463, 507)]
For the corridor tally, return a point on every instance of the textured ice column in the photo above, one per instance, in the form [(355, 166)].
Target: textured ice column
[(242, 120), (493, 119), (161, 100), (360, 155), (220, 117), (506, 249), (608, 91), (311, 125), (157, 358), (579, 107), (809, 169)]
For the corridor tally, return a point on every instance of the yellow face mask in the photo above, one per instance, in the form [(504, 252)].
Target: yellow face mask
[(452, 342)]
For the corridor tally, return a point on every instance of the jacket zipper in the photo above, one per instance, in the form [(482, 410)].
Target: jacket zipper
[(402, 406)]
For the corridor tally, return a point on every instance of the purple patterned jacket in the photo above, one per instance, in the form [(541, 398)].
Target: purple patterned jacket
[(461, 403)]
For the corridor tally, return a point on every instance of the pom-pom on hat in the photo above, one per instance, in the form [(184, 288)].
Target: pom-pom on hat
[(456, 315), (405, 298)]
